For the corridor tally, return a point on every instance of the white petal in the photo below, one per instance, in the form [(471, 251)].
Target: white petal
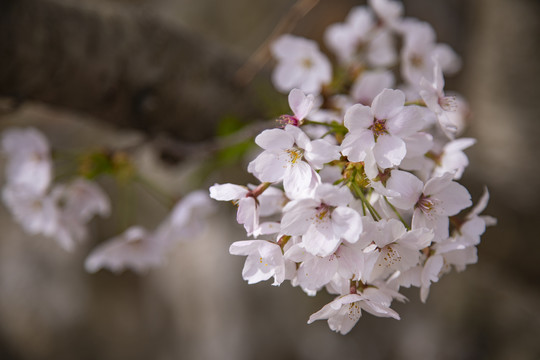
[(389, 151), (387, 103), (300, 104), (320, 152), (408, 186), (274, 139), (454, 198), (269, 167), (347, 223), (356, 145), (298, 179), (227, 192), (358, 117), (371, 83)]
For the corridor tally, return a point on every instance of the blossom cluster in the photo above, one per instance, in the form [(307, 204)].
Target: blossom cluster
[(359, 191), (38, 204), (63, 210)]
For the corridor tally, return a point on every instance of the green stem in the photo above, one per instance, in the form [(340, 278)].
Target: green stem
[(374, 214), (312, 122), (397, 213)]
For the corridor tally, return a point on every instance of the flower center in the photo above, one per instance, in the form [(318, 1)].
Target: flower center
[(307, 63), (378, 128), (294, 155), (284, 120), (416, 61), (425, 204), (448, 103), (323, 213)]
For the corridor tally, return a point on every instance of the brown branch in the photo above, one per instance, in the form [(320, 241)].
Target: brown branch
[(121, 66)]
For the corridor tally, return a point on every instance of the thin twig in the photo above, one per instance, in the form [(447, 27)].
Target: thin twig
[(260, 57)]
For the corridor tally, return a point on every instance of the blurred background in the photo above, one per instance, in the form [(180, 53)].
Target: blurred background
[(198, 306)]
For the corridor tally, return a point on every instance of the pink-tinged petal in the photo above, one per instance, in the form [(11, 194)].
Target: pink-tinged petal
[(382, 50), (275, 139), (387, 10), (369, 84), (439, 224), (408, 186), (389, 151), (356, 145), (333, 195), (461, 258), (482, 203), (472, 229), (430, 274), (269, 167), (244, 247), (406, 122), (347, 223), (296, 221), (358, 117), (430, 96), (320, 152), (437, 184), (248, 214), (320, 239), (341, 321), (315, 272), (351, 262), (300, 137), (297, 253), (300, 104), (286, 76), (453, 199), (448, 124), (227, 192), (298, 179), (418, 144), (267, 228), (459, 144), (417, 239), (134, 249), (388, 103), (284, 46), (447, 58), (339, 39)]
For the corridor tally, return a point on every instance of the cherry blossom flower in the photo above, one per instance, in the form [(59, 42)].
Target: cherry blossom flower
[(322, 221), (300, 65), (394, 248), (345, 311), (398, 165), (264, 260), (420, 53), (36, 213), (29, 162), (433, 95), (290, 156), (370, 84), (134, 249), (314, 271), (380, 129), (433, 202), (453, 159), (249, 204), (187, 219), (301, 105), (388, 11)]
